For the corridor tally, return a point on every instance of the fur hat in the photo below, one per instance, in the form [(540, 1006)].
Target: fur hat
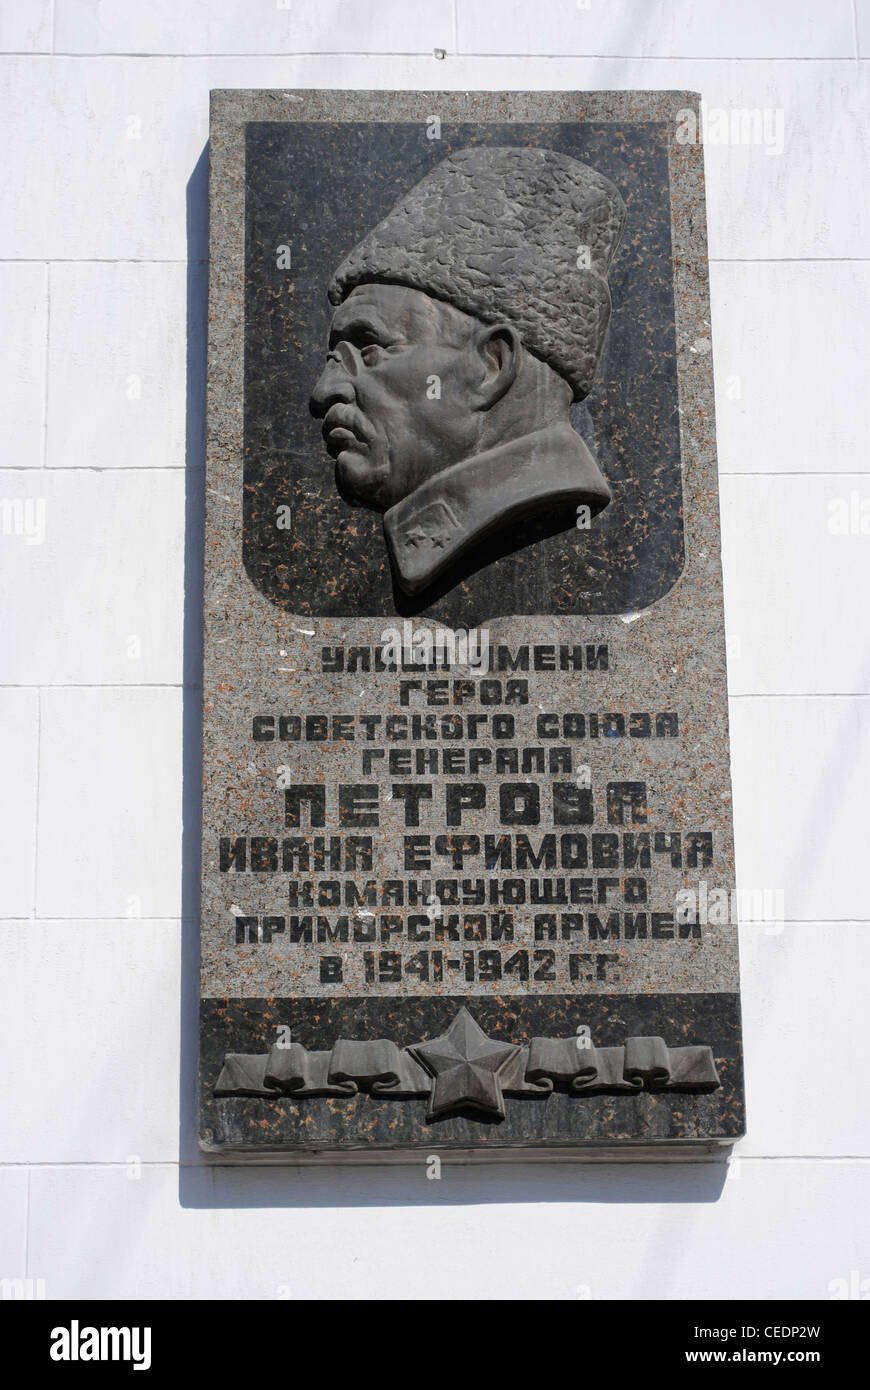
[(521, 234)]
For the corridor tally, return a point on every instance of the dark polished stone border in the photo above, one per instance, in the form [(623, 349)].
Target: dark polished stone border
[(558, 1120)]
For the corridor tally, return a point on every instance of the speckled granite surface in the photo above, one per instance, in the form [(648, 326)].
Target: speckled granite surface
[(313, 171)]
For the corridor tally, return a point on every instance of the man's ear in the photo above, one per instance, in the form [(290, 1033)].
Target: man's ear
[(499, 347)]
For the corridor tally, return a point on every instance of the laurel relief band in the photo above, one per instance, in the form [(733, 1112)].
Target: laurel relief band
[(464, 1068), (467, 323)]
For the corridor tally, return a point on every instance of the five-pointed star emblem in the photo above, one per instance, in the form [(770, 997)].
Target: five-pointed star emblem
[(466, 1065)]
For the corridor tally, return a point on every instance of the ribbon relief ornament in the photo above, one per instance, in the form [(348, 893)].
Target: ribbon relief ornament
[(464, 1069)]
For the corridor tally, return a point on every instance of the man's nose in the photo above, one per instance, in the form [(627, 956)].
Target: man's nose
[(332, 387)]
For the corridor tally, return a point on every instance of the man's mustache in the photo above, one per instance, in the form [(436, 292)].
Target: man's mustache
[(344, 425)]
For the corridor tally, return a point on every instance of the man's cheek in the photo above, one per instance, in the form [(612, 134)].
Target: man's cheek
[(451, 377), (381, 400), (409, 375)]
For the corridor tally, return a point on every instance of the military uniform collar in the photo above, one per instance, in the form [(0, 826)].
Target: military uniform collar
[(453, 510)]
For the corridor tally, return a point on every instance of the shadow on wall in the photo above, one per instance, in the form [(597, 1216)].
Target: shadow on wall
[(479, 1184), (204, 1183), (194, 526)]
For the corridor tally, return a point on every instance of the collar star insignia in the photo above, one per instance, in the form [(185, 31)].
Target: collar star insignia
[(466, 1065), (415, 537)]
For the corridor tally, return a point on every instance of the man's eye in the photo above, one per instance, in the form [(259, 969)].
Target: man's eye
[(370, 354)]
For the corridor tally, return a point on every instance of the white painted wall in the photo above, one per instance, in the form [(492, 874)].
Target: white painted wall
[(105, 116)]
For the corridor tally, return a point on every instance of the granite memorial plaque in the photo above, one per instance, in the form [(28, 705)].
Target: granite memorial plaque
[(468, 879)]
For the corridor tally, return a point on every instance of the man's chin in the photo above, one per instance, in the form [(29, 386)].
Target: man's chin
[(360, 483)]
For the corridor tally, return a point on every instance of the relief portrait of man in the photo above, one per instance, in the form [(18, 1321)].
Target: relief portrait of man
[(466, 324)]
